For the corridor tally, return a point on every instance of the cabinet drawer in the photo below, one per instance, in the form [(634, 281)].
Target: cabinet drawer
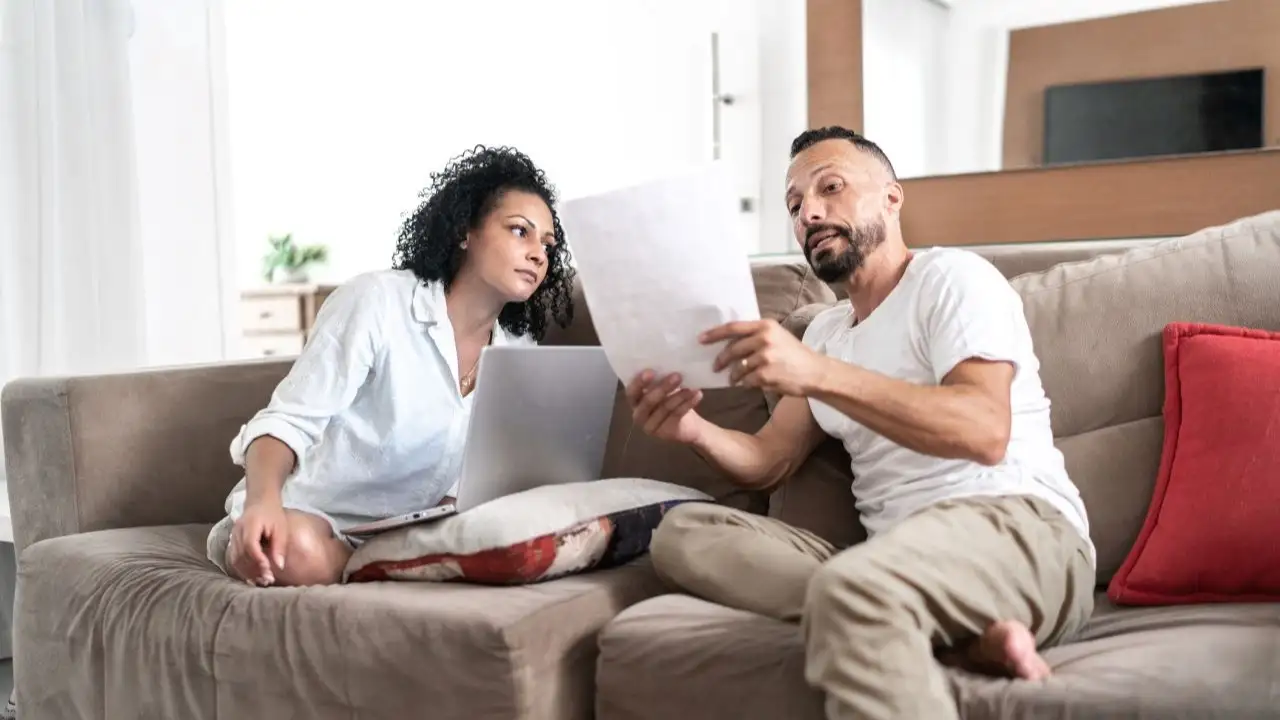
[(282, 345), (267, 314)]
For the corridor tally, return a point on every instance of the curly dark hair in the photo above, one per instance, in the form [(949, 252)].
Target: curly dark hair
[(456, 201)]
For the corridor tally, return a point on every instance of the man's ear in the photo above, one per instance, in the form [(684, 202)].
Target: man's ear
[(894, 197)]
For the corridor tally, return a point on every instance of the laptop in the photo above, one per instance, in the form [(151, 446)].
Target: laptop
[(540, 416)]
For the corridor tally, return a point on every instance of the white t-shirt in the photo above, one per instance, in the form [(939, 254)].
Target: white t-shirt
[(951, 305)]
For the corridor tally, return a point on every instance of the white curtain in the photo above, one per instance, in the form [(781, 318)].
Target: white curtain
[(71, 293), (72, 256), (70, 252)]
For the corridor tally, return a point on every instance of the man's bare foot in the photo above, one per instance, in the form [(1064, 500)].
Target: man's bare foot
[(1008, 647)]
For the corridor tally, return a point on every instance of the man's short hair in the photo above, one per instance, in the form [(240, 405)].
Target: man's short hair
[(809, 138)]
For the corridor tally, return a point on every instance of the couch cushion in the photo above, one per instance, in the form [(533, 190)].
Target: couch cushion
[(677, 656), (137, 623), (1013, 259), (1096, 326), (1188, 661), (819, 497)]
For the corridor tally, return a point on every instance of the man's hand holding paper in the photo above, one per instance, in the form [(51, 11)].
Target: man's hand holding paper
[(757, 353), (763, 354)]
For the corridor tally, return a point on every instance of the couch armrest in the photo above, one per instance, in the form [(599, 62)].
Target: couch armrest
[(126, 450)]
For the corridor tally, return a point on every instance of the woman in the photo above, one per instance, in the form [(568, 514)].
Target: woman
[(371, 419)]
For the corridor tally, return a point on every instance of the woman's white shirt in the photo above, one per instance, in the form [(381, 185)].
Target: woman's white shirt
[(371, 407)]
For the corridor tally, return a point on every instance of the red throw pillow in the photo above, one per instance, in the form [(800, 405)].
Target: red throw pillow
[(1212, 533)]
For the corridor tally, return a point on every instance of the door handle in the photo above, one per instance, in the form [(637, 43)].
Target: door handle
[(718, 99)]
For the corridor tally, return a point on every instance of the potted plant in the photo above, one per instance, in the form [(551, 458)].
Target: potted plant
[(287, 262)]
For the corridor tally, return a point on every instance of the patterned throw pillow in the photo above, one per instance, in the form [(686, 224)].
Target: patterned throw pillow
[(532, 536)]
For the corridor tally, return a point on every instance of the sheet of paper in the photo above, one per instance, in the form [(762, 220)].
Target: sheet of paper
[(660, 263)]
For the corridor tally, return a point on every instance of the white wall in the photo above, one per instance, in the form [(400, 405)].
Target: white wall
[(179, 120), (903, 80), (338, 117), (964, 114), (784, 112)]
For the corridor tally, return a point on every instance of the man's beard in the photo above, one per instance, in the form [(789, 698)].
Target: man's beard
[(836, 265)]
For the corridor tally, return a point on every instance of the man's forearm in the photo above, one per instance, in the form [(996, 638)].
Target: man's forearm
[(739, 455), (942, 421), (268, 463)]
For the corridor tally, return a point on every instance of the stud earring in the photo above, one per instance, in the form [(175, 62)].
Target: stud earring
[(463, 245)]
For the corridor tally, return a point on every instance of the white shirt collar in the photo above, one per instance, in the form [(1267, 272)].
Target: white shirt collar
[(428, 307)]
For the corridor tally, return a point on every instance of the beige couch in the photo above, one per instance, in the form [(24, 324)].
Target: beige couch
[(114, 481)]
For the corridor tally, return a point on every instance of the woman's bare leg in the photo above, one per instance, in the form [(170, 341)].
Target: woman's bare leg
[(313, 556)]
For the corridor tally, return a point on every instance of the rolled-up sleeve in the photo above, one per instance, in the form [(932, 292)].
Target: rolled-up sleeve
[(977, 315), (328, 373)]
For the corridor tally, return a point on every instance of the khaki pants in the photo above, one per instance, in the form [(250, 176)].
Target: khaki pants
[(874, 614)]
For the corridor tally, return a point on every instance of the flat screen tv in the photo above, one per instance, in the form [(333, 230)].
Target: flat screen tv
[(1153, 116)]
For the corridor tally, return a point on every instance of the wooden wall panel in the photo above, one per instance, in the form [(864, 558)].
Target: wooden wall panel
[(1141, 198), (1206, 37), (834, 56), (1148, 198)]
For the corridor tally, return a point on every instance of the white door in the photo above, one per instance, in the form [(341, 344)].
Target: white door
[(739, 99), (645, 88)]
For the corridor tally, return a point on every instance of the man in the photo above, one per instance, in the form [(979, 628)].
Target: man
[(979, 543)]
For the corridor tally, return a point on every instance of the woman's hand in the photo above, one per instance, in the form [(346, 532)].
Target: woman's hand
[(258, 541)]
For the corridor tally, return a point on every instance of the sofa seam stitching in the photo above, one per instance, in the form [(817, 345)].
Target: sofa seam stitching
[(213, 654), (518, 678), (506, 631), (1158, 416), (64, 395)]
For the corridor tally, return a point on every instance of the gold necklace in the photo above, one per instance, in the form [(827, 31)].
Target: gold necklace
[(468, 381)]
